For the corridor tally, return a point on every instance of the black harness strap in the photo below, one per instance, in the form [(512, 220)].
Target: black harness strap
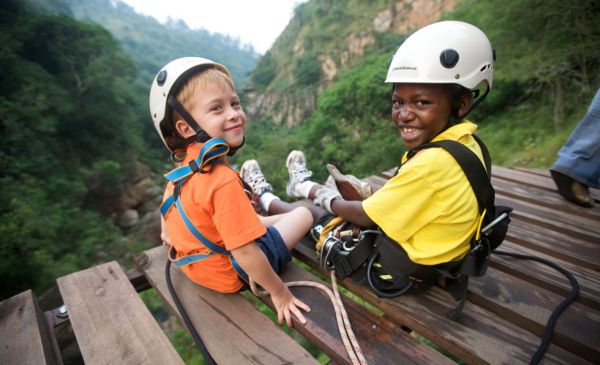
[(355, 259), (478, 177)]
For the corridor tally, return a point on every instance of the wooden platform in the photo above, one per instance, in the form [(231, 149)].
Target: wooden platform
[(507, 309), (502, 323)]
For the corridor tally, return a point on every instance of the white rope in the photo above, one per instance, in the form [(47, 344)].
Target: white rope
[(348, 337)]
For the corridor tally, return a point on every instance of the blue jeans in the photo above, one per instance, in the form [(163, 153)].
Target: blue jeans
[(579, 158)]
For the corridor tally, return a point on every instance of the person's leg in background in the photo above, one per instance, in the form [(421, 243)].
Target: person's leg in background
[(578, 165)]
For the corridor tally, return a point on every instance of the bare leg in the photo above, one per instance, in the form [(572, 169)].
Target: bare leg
[(292, 226), (279, 206)]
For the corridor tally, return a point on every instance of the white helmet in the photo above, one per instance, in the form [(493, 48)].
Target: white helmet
[(447, 52), (167, 83)]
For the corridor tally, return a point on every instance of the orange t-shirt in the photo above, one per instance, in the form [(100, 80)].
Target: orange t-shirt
[(219, 209)]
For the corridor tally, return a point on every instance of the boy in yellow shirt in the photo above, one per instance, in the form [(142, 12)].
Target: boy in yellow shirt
[(428, 208)]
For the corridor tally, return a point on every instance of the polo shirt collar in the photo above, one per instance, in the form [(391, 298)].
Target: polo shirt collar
[(457, 131)]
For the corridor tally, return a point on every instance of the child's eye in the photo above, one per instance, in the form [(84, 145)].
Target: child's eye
[(396, 104), (215, 108), (421, 103)]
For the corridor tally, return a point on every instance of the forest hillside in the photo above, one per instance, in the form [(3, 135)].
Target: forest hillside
[(151, 44)]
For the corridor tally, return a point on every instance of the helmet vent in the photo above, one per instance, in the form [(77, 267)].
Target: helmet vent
[(449, 58), (161, 77)]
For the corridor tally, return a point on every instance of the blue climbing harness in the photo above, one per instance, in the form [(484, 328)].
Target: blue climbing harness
[(211, 151)]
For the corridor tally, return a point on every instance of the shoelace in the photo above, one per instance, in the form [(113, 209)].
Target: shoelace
[(300, 171), (258, 181)]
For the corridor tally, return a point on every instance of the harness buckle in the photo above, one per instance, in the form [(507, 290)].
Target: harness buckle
[(193, 166), (176, 191)]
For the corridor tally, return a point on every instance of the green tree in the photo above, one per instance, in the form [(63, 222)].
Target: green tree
[(541, 45), (64, 113), (307, 71), (352, 127)]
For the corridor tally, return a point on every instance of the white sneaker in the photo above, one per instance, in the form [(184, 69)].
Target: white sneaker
[(296, 165), (253, 176)]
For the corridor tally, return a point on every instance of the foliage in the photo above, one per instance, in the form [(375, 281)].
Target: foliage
[(152, 44), (62, 109), (554, 50), (352, 120), (307, 70), (265, 69)]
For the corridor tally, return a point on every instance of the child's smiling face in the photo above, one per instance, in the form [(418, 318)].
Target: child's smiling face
[(216, 107), (420, 111), (218, 110)]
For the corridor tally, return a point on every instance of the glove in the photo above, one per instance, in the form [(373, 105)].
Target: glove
[(350, 187), (325, 196)]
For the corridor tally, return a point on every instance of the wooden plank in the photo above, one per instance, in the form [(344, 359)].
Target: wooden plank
[(379, 339), (552, 219), (25, 338), (532, 170), (110, 321), (547, 277), (233, 331), (477, 337), (530, 306), (544, 198), (534, 177), (556, 244)]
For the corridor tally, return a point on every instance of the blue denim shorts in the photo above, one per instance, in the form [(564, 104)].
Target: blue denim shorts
[(274, 248)]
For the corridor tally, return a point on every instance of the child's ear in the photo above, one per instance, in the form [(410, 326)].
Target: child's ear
[(466, 103), (184, 129)]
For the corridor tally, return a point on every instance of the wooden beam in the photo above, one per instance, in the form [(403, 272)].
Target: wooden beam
[(110, 321), (25, 337), (233, 331)]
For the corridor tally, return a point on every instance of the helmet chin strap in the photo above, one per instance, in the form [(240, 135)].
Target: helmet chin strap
[(453, 120), (201, 135), (233, 150), (478, 99)]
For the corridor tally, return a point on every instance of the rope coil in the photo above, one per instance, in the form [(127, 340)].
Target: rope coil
[(348, 338)]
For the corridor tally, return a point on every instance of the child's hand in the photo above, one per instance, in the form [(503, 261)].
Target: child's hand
[(287, 304)]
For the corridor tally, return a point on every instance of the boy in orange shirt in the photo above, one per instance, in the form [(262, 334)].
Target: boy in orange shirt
[(217, 238)]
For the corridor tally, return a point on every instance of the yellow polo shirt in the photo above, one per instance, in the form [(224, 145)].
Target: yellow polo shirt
[(429, 207)]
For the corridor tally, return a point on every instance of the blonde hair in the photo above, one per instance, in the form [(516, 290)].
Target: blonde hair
[(185, 96)]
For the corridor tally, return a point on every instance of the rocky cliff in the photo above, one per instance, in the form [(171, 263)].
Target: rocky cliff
[(286, 100)]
